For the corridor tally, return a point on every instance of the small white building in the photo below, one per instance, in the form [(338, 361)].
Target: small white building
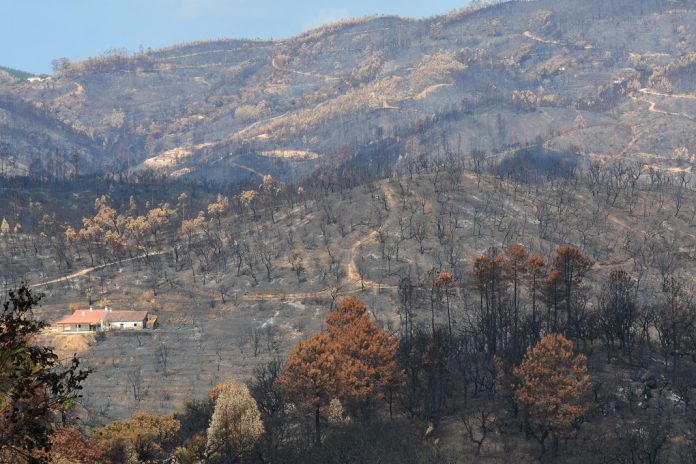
[(99, 320), (125, 320), (34, 79)]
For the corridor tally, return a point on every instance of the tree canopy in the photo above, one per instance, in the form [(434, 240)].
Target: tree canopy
[(354, 361), (236, 423), (35, 389), (553, 388)]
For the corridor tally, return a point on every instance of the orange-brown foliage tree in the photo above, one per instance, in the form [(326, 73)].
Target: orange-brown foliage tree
[(69, 445), (354, 361), (553, 389), (367, 355), (310, 377)]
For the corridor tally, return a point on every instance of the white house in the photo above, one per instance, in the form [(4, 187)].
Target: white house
[(41, 78), (125, 320), (99, 320)]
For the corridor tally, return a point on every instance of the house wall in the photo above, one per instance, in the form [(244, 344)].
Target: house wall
[(126, 325), (131, 325), (76, 328)]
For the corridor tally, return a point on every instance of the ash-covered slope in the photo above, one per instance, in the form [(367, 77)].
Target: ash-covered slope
[(597, 78)]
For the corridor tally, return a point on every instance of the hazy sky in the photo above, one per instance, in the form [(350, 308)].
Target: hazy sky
[(34, 32)]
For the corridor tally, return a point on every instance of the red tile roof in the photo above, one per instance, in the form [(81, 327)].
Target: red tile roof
[(84, 316)]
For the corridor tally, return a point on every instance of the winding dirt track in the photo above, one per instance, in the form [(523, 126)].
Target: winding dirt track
[(652, 105), (245, 168), (529, 35), (352, 272), (285, 296), (302, 73), (652, 108), (684, 96), (83, 272)]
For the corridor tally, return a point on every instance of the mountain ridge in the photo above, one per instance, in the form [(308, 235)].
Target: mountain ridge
[(510, 74)]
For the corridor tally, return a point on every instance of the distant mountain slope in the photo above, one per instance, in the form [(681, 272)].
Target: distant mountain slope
[(597, 78), (15, 74)]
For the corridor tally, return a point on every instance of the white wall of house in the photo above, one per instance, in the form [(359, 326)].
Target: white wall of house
[(105, 325), (126, 325), (76, 328)]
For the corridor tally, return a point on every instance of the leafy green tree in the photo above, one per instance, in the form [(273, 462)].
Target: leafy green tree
[(36, 391)]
